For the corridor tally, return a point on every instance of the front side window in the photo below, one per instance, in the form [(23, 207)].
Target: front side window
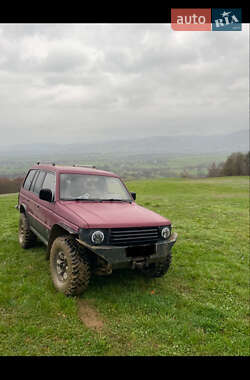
[(50, 183), (92, 187), (39, 181)]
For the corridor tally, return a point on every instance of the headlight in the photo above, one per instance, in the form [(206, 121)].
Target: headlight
[(97, 237), (165, 232)]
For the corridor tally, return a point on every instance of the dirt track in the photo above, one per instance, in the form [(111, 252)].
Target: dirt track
[(3, 195)]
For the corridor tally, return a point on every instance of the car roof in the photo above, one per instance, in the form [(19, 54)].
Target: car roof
[(73, 169)]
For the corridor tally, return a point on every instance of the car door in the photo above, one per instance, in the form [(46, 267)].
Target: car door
[(30, 199), (35, 203), (46, 209), (24, 195)]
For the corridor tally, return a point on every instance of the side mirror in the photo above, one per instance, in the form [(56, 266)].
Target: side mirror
[(46, 195), (133, 195)]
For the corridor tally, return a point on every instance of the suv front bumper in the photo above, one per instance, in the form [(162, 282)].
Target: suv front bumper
[(135, 256)]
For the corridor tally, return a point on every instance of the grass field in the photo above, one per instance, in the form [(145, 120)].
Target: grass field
[(200, 307)]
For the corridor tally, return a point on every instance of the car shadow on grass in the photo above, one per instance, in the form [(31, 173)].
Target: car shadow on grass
[(124, 282)]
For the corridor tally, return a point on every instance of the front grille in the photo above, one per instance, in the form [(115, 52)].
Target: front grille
[(135, 235)]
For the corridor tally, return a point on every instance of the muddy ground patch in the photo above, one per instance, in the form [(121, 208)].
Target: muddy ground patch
[(89, 315)]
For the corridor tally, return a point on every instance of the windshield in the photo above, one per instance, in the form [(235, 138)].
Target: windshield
[(92, 187)]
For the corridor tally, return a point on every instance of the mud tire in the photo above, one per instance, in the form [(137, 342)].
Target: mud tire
[(25, 236), (78, 266), (158, 269)]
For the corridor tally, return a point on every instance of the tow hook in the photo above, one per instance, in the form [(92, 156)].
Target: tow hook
[(140, 263)]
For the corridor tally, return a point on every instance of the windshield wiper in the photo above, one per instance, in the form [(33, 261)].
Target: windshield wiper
[(96, 200), (116, 200), (82, 199)]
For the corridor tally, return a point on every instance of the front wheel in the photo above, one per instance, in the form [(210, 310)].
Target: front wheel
[(69, 267), (158, 269)]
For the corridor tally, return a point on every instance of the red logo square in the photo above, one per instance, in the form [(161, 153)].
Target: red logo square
[(191, 19)]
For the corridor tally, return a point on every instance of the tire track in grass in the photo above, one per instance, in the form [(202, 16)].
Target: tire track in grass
[(89, 315)]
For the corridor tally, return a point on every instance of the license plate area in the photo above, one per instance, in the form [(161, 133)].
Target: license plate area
[(141, 250)]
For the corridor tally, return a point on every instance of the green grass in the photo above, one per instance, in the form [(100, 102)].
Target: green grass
[(200, 307)]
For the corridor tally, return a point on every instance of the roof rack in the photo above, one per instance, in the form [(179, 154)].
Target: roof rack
[(46, 163), (85, 166)]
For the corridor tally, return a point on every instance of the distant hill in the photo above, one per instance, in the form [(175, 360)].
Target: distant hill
[(234, 142)]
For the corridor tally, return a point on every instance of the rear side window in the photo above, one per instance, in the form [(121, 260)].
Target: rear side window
[(50, 183), (39, 182), (34, 180), (29, 179)]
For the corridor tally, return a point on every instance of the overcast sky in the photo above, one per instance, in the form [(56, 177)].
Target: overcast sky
[(69, 83)]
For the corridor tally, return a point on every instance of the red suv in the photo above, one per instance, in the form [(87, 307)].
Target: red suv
[(90, 223)]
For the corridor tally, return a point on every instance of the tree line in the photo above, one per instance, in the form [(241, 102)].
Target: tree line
[(235, 164), (8, 185)]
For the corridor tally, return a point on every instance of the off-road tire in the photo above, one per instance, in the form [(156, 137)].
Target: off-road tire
[(158, 269), (78, 270), (25, 236)]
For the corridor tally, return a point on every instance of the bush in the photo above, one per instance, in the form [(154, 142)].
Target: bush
[(10, 185), (236, 164)]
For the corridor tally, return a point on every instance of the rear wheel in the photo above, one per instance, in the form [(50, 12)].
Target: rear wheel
[(158, 269), (69, 266), (25, 235)]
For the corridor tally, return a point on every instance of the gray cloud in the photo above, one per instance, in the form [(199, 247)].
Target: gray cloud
[(79, 82)]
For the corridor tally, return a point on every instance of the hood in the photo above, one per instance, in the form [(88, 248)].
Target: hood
[(114, 214)]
